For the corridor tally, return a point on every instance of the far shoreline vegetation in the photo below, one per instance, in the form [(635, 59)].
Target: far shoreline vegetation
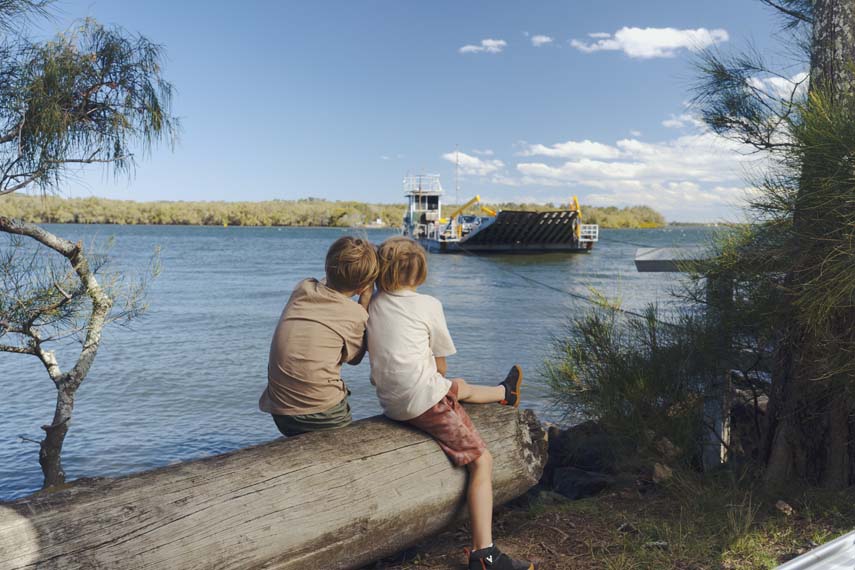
[(304, 212)]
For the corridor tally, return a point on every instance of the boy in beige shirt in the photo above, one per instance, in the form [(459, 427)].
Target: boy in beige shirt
[(320, 329)]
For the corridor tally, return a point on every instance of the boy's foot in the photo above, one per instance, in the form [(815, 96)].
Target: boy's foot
[(492, 558), (512, 384)]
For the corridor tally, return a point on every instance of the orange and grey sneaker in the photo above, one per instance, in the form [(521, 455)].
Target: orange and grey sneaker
[(512, 384), (491, 558)]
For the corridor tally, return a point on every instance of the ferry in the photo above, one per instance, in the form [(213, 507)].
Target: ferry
[(488, 231)]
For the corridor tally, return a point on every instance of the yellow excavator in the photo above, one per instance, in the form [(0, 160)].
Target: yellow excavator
[(457, 212), (464, 207), (461, 209), (575, 207)]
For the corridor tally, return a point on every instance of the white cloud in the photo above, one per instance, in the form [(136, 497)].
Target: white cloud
[(483, 152), (695, 176), (683, 120), (472, 165), (488, 45), (781, 87), (635, 133), (572, 149), (645, 43), (539, 40)]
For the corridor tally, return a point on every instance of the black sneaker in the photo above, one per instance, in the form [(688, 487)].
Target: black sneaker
[(492, 557), (512, 384)]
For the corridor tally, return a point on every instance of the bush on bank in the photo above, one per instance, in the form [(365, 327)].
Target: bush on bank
[(303, 212)]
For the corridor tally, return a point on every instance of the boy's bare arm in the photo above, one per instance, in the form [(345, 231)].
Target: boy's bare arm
[(365, 296), (441, 364), (364, 300), (357, 358)]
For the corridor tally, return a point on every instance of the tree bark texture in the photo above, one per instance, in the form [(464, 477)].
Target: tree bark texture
[(325, 500), (833, 46)]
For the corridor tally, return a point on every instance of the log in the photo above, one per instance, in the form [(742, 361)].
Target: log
[(327, 500)]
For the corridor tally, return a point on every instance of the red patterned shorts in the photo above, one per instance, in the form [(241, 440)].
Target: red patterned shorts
[(449, 424)]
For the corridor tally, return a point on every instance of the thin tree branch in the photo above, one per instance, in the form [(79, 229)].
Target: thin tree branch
[(795, 14), (9, 137), (17, 349), (90, 160), (24, 184)]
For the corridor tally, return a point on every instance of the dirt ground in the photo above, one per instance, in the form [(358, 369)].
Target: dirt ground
[(683, 526)]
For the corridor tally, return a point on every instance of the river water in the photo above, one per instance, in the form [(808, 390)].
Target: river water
[(183, 382)]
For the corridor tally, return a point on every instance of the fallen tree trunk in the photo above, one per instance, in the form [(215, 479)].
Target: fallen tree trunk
[(329, 500)]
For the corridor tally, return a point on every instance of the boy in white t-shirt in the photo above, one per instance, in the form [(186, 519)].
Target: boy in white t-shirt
[(408, 343)]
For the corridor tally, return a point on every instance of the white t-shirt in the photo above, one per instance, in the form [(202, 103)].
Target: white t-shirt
[(406, 331)]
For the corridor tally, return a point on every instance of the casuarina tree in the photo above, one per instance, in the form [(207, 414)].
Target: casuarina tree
[(795, 266), (92, 95)]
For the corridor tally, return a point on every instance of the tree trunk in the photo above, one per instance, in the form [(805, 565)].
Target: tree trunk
[(833, 46), (331, 500), (50, 448), (811, 409)]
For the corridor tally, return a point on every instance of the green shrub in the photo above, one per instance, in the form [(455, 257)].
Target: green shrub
[(638, 376)]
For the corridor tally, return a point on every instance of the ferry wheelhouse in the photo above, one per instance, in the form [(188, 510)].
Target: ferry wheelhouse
[(488, 231)]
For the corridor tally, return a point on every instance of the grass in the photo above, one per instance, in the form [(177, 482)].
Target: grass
[(689, 523)]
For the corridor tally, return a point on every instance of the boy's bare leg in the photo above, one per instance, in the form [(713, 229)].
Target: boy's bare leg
[(480, 498), (475, 394)]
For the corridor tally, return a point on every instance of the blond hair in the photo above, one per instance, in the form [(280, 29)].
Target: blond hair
[(403, 263), (351, 264)]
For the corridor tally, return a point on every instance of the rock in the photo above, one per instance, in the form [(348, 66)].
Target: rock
[(661, 473), (785, 508), (658, 544), (667, 449), (553, 432), (586, 446), (575, 483), (546, 497), (628, 528)]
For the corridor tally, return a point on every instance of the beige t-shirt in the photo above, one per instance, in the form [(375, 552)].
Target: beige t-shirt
[(319, 330), (406, 331)]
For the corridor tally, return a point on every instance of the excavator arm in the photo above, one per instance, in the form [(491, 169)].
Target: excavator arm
[(462, 208)]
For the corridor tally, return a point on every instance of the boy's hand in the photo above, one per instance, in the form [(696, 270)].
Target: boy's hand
[(365, 296)]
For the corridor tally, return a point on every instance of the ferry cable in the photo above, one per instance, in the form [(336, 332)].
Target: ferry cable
[(564, 291)]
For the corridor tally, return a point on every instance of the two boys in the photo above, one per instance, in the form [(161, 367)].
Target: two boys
[(321, 329)]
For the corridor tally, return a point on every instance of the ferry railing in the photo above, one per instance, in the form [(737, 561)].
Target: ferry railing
[(589, 233), (422, 183)]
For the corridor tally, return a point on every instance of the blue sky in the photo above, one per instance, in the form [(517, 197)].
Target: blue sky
[(340, 99)]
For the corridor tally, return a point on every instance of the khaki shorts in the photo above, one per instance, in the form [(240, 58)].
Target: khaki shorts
[(449, 424), (336, 417)]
